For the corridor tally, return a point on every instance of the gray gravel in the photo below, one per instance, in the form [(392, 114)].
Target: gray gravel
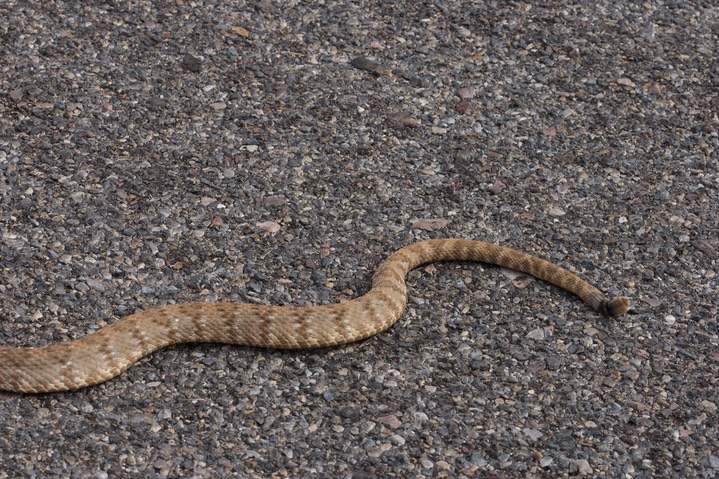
[(276, 152)]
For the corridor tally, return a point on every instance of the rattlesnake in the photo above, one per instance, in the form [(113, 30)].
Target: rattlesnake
[(108, 352)]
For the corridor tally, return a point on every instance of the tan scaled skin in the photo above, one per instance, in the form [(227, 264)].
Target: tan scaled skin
[(111, 350)]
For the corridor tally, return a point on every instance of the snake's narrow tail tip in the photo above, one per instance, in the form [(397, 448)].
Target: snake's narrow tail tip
[(615, 307)]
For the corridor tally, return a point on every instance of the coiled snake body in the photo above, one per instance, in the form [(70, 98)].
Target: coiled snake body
[(111, 350)]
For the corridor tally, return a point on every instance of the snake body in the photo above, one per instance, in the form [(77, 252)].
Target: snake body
[(111, 350)]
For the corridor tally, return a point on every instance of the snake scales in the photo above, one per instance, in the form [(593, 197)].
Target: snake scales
[(111, 350)]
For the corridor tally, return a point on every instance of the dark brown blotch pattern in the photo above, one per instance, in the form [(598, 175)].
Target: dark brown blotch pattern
[(113, 349)]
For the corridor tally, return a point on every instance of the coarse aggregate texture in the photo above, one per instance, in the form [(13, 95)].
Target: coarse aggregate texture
[(269, 152)]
